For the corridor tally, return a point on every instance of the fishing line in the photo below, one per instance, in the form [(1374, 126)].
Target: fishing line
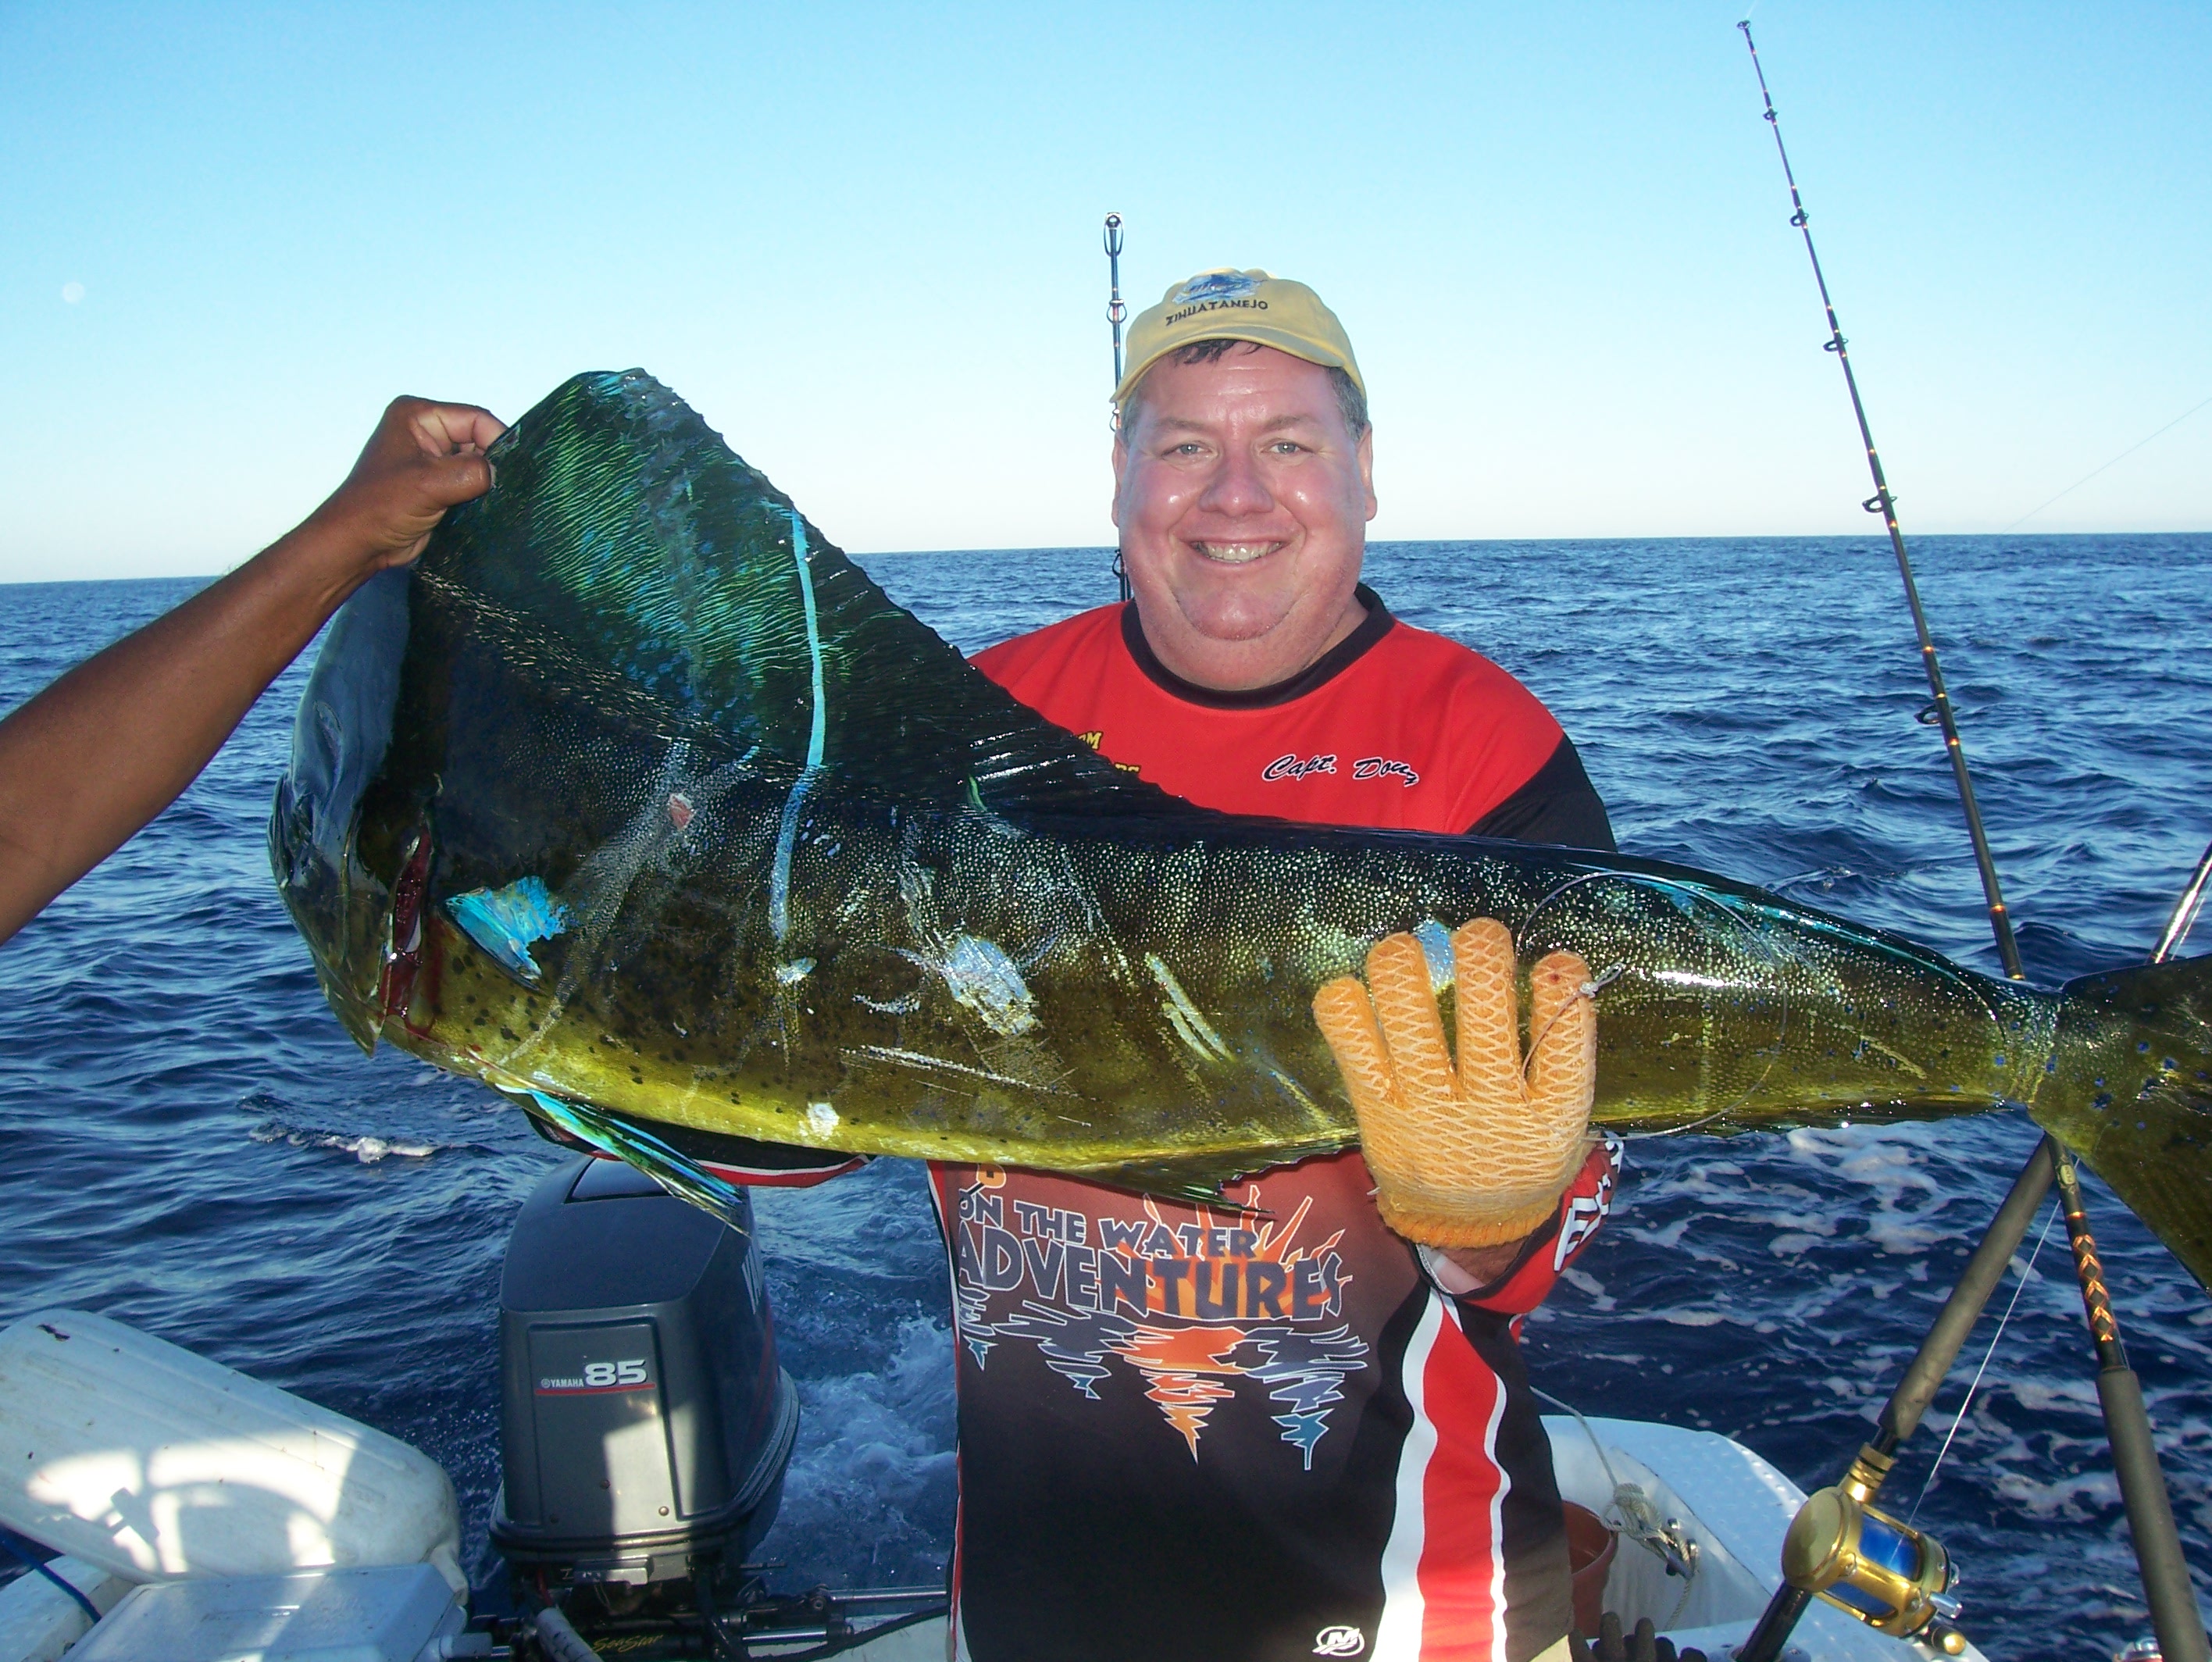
[(2027, 1274), (1676, 1130), (2122, 457), (1639, 1517), (1591, 989), (779, 877)]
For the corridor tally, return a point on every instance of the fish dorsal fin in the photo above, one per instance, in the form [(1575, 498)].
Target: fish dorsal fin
[(624, 527)]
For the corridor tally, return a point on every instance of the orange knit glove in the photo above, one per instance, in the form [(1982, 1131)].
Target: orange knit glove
[(1476, 1154)]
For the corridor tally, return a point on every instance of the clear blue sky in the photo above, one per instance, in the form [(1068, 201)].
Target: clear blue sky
[(863, 241)]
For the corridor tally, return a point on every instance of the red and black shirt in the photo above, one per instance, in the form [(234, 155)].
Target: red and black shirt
[(1394, 728), (1197, 1432)]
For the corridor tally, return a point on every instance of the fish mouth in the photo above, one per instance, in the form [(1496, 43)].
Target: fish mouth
[(1225, 553)]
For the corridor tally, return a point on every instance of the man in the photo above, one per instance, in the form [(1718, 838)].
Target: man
[(1284, 1430)]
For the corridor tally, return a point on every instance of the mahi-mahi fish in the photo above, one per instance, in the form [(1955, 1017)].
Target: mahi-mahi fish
[(636, 799)]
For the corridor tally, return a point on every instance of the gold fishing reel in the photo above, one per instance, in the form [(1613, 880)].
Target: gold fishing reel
[(1870, 1565)]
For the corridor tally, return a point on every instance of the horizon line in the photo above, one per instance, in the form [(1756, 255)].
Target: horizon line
[(1880, 539)]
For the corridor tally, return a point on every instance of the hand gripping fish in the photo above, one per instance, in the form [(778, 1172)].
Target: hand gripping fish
[(1475, 1152), (635, 798)]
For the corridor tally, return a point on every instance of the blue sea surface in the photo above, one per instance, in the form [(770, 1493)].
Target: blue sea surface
[(190, 1143)]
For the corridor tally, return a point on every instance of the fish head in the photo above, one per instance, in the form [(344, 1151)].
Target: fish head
[(342, 908)]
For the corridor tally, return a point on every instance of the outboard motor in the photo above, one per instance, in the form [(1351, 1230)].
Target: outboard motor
[(644, 1421)]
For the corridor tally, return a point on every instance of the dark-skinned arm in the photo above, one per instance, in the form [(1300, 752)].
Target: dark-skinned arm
[(93, 758)]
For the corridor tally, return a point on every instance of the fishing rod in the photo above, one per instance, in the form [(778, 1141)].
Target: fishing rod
[(1840, 1547), (1885, 504), (1115, 311), (2184, 910)]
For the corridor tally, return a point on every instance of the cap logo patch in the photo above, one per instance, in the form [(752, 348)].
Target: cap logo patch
[(1215, 286)]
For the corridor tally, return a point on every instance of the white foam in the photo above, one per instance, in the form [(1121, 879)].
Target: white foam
[(365, 1147), (869, 1496)]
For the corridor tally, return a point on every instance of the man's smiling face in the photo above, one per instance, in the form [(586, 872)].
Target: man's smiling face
[(1243, 499)]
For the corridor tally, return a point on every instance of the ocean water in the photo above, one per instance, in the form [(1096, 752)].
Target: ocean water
[(188, 1141)]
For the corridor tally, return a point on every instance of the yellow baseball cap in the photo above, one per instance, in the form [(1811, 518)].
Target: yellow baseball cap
[(1238, 305)]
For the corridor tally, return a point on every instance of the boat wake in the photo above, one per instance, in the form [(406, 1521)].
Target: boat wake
[(873, 1467), (368, 1148)]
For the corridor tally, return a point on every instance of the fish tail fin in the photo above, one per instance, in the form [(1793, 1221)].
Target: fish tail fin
[(2130, 1090)]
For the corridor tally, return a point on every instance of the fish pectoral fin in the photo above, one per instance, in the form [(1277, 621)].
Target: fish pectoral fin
[(1201, 1177), (620, 1138)]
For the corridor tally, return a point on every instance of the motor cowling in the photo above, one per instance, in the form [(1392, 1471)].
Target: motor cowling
[(644, 1421)]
